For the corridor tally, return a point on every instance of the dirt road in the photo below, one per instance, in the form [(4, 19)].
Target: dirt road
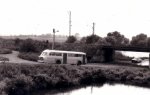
[(13, 58)]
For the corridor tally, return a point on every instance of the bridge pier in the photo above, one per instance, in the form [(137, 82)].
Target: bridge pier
[(109, 54), (149, 60)]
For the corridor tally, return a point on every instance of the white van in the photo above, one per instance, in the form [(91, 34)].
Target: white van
[(62, 57)]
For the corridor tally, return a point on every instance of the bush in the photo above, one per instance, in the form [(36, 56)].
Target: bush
[(22, 79), (28, 56), (42, 81), (21, 85), (5, 51), (3, 58)]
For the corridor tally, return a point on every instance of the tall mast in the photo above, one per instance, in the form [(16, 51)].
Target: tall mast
[(70, 23), (93, 28)]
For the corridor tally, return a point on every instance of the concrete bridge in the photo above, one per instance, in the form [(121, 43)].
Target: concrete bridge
[(109, 51)]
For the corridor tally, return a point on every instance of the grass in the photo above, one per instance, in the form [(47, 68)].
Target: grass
[(23, 79)]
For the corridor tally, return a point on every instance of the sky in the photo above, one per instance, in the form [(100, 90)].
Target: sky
[(129, 17)]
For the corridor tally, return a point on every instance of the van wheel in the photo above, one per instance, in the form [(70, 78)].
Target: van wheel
[(58, 62), (79, 63)]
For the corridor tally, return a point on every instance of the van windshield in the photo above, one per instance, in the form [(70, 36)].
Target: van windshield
[(44, 53)]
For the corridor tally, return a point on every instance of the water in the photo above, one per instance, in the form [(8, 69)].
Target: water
[(106, 89), (144, 63), (137, 55)]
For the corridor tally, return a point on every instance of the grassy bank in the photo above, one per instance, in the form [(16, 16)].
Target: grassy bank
[(21, 79)]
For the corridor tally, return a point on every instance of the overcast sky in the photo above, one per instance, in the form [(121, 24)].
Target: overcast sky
[(129, 17)]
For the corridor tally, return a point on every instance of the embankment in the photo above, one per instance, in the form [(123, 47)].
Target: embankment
[(23, 79)]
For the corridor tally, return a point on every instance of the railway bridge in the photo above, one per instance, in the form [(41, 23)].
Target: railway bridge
[(109, 51)]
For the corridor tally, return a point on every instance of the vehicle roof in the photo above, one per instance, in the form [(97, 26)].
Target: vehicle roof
[(61, 51)]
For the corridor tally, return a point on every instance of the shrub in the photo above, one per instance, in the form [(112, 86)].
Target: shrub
[(28, 56), (21, 85), (5, 51), (21, 79), (3, 59), (42, 81)]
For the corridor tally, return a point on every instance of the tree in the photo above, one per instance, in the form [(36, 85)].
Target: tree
[(92, 39), (77, 35), (28, 45), (102, 41), (148, 42), (110, 40), (115, 38), (139, 40), (71, 39), (126, 41), (45, 44), (17, 41), (83, 40)]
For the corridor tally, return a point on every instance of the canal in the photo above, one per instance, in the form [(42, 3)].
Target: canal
[(106, 89)]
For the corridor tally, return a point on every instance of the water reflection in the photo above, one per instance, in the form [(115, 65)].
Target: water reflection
[(138, 55), (144, 62), (135, 54), (106, 89)]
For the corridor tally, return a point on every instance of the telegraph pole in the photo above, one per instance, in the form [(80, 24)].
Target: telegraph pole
[(93, 28), (53, 44), (70, 23), (53, 38)]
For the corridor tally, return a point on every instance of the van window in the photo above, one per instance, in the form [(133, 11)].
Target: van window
[(75, 55), (71, 55), (58, 54), (55, 54), (78, 55)]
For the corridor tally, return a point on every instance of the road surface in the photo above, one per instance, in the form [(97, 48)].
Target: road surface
[(13, 58)]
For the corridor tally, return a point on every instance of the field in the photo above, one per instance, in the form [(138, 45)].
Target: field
[(23, 79), (48, 37)]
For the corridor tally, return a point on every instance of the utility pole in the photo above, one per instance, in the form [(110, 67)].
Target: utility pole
[(53, 45), (70, 23), (93, 28)]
